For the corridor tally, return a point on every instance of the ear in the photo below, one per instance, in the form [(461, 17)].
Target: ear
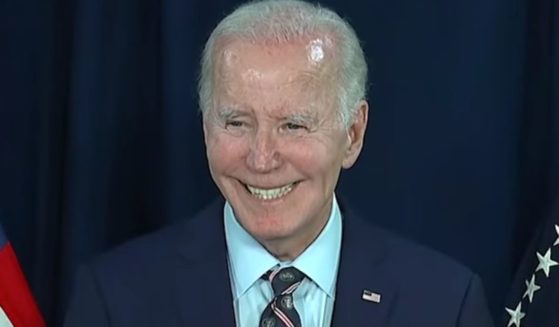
[(356, 135), (205, 127)]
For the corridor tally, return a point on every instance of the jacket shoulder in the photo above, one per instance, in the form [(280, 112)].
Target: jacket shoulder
[(151, 253)]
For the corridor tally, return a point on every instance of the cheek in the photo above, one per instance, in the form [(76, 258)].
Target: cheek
[(307, 157), (313, 158), (224, 151)]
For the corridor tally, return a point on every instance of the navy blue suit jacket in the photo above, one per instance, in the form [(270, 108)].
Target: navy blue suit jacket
[(179, 277)]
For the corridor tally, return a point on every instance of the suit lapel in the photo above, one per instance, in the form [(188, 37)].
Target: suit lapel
[(363, 267), (202, 281), (205, 297)]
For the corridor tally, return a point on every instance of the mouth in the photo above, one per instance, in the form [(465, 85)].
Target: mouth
[(270, 193)]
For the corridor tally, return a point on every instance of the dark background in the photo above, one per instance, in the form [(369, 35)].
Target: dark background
[(100, 139)]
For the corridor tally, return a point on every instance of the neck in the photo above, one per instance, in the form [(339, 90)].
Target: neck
[(288, 249)]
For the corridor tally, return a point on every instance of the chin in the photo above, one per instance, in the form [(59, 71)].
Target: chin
[(268, 231)]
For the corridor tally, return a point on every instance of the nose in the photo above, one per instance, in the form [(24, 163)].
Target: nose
[(264, 155)]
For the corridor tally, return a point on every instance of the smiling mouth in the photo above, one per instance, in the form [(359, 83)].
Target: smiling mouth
[(270, 193)]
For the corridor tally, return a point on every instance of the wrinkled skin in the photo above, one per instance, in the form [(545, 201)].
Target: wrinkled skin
[(274, 122)]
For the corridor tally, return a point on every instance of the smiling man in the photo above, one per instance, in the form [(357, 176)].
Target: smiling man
[(275, 141), (282, 94)]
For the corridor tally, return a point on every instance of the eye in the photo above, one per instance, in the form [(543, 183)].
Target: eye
[(294, 127), (234, 123)]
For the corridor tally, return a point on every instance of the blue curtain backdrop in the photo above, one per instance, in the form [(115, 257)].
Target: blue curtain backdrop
[(100, 139)]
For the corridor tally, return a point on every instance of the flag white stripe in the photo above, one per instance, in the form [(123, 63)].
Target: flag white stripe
[(4, 321)]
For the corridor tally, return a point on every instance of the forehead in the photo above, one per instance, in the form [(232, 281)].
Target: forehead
[(245, 61), (278, 78)]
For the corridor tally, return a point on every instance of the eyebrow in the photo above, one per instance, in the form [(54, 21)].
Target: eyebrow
[(302, 119), (230, 113)]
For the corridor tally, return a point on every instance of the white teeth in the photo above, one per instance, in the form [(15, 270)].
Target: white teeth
[(270, 194)]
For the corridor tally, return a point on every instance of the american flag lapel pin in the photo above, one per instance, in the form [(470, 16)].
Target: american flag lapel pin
[(370, 296)]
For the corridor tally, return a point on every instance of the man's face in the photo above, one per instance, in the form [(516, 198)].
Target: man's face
[(274, 143)]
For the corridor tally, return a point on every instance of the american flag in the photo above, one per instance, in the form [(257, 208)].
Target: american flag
[(370, 296), (17, 305), (534, 297)]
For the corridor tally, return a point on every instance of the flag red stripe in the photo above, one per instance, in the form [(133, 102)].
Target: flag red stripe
[(15, 297)]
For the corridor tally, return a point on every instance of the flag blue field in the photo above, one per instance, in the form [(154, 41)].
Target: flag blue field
[(534, 297)]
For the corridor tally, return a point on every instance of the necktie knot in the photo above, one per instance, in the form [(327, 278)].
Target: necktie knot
[(284, 281)]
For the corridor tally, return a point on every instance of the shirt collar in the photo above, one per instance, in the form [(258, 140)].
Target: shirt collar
[(249, 260)]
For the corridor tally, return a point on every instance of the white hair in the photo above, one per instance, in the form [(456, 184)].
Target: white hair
[(284, 21)]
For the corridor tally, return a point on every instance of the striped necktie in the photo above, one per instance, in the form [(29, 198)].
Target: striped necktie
[(281, 312)]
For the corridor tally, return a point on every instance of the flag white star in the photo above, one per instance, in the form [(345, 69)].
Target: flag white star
[(531, 288), (516, 315), (556, 231), (545, 262)]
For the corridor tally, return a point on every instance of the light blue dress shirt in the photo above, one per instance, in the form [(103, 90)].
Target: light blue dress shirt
[(249, 260)]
